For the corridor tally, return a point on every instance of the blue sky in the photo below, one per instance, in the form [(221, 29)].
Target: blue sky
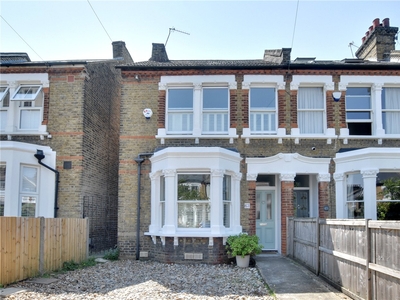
[(61, 30)]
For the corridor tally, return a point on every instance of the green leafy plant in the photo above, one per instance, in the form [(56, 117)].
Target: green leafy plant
[(72, 265), (243, 244), (112, 254)]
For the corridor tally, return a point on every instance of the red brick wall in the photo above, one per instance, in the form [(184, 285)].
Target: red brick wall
[(286, 210), (323, 198)]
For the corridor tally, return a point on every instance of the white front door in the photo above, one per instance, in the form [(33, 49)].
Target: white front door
[(265, 218)]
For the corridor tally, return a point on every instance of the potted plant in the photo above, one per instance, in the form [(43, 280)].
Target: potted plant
[(242, 246)]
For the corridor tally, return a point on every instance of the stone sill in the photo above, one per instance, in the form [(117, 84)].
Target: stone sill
[(191, 234), (41, 135)]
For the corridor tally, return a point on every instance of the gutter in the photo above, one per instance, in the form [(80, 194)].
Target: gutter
[(139, 160)]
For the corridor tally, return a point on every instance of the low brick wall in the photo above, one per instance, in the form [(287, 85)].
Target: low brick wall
[(189, 250)]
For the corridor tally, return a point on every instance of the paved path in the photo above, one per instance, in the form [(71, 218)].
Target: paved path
[(289, 280)]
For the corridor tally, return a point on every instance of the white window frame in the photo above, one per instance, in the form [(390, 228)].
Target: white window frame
[(376, 83), (263, 111), (215, 113), (197, 82), (183, 111), (17, 96), (3, 187), (364, 110), (3, 93), (322, 110), (388, 110), (27, 194), (206, 202)]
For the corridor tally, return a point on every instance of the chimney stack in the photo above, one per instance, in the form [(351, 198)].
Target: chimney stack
[(159, 53), (120, 51), (378, 41)]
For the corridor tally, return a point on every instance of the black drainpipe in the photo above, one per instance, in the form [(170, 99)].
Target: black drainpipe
[(139, 161), (39, 155)]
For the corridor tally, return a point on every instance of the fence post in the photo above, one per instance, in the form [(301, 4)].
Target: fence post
[(367, 259), (41, 246), (87, 237), (317, 242)]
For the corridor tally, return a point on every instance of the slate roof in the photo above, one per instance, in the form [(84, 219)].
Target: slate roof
[(17, 57)]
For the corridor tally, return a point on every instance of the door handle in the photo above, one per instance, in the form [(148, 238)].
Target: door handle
[(263, 224)]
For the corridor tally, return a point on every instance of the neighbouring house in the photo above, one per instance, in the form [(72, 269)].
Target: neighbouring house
[(59, 143), (211, 148)]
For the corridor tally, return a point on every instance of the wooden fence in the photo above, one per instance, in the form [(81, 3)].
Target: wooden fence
[(34, 246), (360, 257)]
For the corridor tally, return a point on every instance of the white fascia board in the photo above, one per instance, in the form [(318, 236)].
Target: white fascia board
[(199, 158), (368, 158), (28, 78)]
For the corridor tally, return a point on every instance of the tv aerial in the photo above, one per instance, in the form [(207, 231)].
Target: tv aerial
[(351, 49), (172, 29)]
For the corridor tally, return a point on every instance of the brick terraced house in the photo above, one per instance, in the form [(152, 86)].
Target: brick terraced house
[(59, 140), (211, 148)]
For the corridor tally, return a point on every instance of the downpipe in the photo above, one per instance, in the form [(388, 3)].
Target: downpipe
[(39, 156), (139, 160)]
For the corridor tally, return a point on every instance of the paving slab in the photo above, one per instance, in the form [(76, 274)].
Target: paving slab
[(42, 280), (9, 291), (290, 280)]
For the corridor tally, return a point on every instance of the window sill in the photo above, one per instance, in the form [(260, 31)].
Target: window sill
[(345, 136), (191, 234), (162, 135), (295, 134), (41, 134)]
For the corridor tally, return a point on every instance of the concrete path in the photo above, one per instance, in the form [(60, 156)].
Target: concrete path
[(289, 280)]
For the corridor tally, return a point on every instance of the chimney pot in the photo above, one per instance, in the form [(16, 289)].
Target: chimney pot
[(385, 22), (375, 22), (371, 28), (363, 39), (367, 34)]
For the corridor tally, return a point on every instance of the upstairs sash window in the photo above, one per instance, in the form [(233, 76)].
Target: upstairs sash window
[(391, 110), (215, 110), (310, 106), (358, 110), (180, 110), (262, 111)]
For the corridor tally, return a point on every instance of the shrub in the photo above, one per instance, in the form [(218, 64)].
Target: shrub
[(243, 244), (112, 254)]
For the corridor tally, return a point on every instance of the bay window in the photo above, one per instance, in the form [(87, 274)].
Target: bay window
[(263, 110), (391, 110), (310, 110), (195, 191)]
